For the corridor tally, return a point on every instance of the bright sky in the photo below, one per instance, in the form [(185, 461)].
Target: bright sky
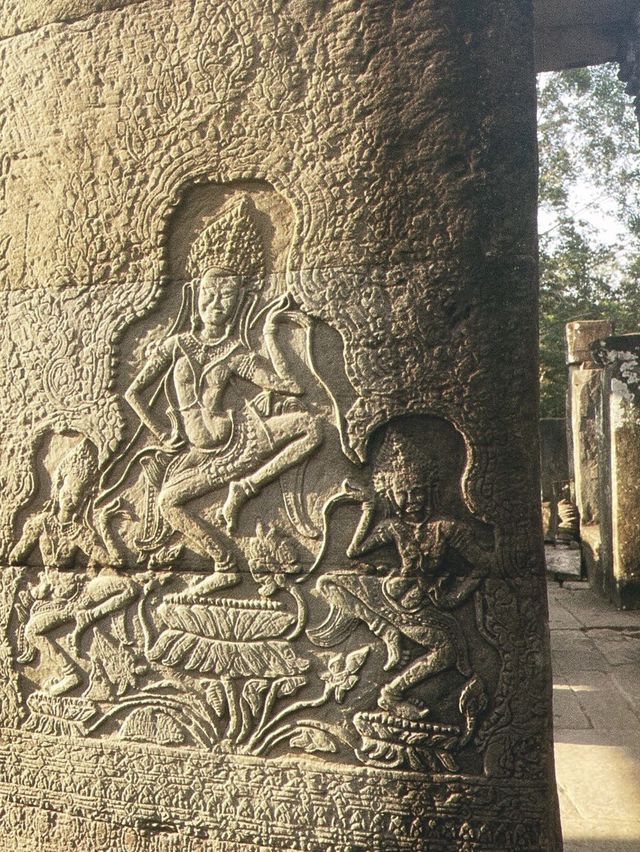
[(590, 204)]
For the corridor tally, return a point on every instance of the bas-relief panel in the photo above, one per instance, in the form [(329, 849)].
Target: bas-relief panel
[(209, 561), (231, 576), (265, 517)]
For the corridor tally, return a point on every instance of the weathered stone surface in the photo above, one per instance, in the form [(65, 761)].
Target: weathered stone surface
[(563, 561), (581, 334), (22, 17), (586, 397), (554, 466), (276, 573), (584, 411), (580, 32), (620, 356)]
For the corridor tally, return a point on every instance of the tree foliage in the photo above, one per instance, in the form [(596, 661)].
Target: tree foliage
[(589, 213)]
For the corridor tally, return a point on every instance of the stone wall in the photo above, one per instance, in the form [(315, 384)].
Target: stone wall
[(620, 468)]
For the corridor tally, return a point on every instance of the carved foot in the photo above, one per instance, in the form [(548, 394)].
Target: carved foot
[(28, 655), (59, 685), (413, 710), (216, 581), (473, 700), (391, 639)]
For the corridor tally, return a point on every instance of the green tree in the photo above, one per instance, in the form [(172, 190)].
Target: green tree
[(589, 213)]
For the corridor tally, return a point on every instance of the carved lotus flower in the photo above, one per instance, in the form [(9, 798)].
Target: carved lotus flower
[(272, 559), (342, 672), (228, 637), (229, 620)]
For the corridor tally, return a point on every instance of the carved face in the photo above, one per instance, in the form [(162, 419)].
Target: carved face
[(218, 296), (74, 481), (409, 498), (70, 497)]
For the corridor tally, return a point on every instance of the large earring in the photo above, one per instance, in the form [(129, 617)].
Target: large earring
[(193, 295)]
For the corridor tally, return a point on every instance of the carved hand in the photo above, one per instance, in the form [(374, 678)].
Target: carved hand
[(283, 304), (355, 491), (170, 441)]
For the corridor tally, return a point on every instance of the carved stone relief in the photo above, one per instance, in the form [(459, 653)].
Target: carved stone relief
[(271, 571), (165, 608)]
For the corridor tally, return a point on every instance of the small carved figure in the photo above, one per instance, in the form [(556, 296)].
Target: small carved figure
[(568, 520), (209, 447), (65, 599), (68, 524), (65, 528), (411, 600)]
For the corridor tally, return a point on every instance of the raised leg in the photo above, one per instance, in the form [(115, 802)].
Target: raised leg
[(37, 638), (106, 595), (393, 695), (295, 436)]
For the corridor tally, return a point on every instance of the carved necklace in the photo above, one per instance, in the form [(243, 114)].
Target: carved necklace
[(208, 353)]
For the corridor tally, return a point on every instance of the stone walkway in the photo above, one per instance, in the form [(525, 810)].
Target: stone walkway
[(596, 674)]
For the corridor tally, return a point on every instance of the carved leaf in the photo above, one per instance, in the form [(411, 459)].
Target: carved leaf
[(150, 725), (216, 697), (252, 691), (354, 661), (289, 685), (116, 661), (233, 659), (70, 708), (4, 246), (447, 761), (341, 674), (312, 740), (232, 623)]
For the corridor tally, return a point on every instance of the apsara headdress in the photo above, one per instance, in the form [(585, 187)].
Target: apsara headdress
[(230, 242), (399, 458)]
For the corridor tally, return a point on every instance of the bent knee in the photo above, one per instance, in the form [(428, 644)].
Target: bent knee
[(314, 431), (168, 500)]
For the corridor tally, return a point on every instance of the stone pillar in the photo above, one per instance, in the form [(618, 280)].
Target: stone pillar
[(270, 505), (554, 470), (584, 413), (620, 357)]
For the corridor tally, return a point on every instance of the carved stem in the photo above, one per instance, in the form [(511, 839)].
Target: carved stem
[(301, 621), (293, 708), (234, 718)]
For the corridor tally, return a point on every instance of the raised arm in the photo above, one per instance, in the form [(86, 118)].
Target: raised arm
[(463, 541), (274, 374), (262, 373), (449, 591), (362, 542)]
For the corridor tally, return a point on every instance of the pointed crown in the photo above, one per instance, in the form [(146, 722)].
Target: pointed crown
[(230, 242), (400, 457)]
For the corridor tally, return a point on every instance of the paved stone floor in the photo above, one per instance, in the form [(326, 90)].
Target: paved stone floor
[(596, 674)]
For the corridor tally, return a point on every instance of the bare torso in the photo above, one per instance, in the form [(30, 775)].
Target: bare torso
[(206, 424)]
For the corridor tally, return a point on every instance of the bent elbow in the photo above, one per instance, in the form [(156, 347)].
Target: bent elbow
[(131, 397)]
